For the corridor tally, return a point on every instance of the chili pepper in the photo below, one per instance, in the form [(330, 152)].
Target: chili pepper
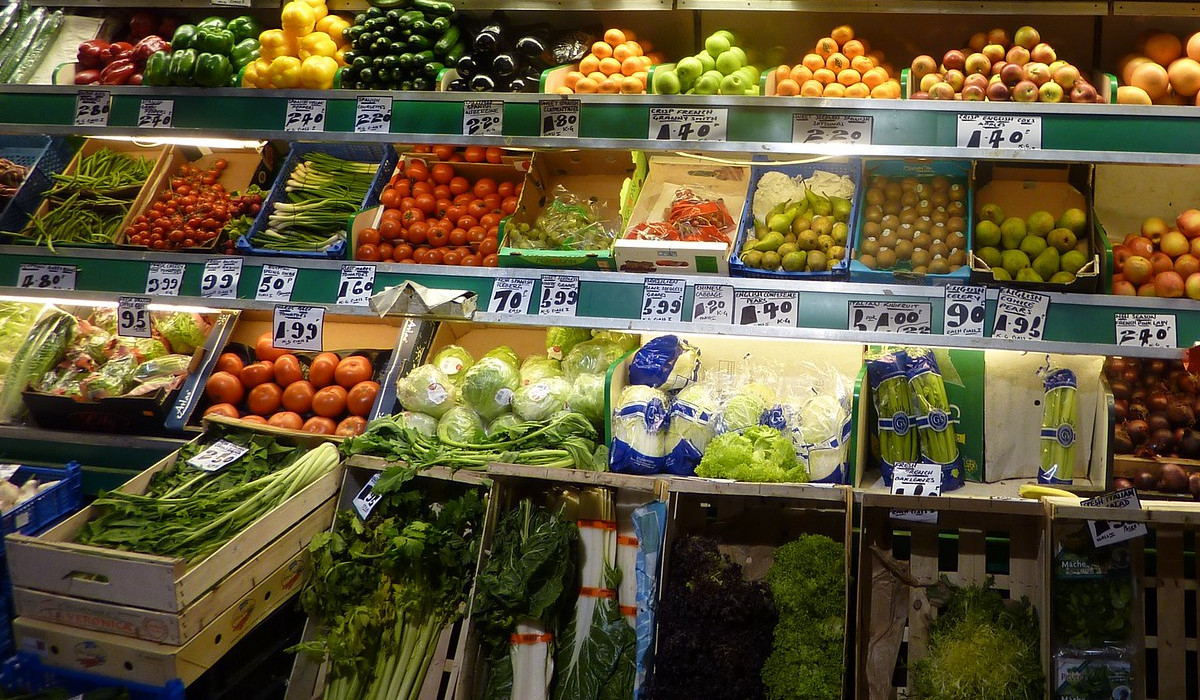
[(244, 27), (212, 70), (213, 40), (91, 53), (149, 45), (183, 65), (184, 37), (117, 72), (158, 69)]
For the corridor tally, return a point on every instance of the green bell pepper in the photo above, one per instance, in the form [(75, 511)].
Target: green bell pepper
[(183, 67), (213, 40), (244, 27), (246, 51), (158, 69), (184, 37), (212, 70), (213, 22)]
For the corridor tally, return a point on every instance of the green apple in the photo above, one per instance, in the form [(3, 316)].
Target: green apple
[(728, 62), (716, 45), (666, 82), (709, 83), (725, 33), (752, 74), (707, 61), (734, 84), (688, 69), (740, 54)]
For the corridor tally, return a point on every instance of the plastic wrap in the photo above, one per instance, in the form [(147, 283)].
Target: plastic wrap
[(1060, 422), (427, 390), (489, 385), (935, 424), (639, 431), (541, 399), (587, 397), (649, 524), (560, 340), (591, 357), (666, 363), (113, 379), (692, 426), (537, 367), (453, 361), (693, 215), (894, 410), (506, 354), (460, 425), (565, 223)]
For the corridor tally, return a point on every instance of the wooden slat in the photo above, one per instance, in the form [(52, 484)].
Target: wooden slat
[(923, 564), (972, 555), (1171, 624)]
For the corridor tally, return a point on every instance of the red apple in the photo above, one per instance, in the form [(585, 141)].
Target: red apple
[(998, 36), (922, 66), (1174, 244), (1186, 265), (977, 63), (1147, 290), (1084, 92), (1189, 223), (1162, 262), (1168, 285), (1121, 253), (1037, 73), (973, 93), (993, 52), (1195, 247), (1138, 270), (1043, 53), (941, 91), (998, 92), (1126, 289), (1018, 55), (977, 80), (1066, 76), (955, 78), (1140, 246), (954, 60), (1025, 91), (1011, 74), (1191, 286)]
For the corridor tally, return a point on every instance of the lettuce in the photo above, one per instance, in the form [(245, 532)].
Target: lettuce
[(760, 453), (501, 424), (184, 331), (426, 389), (460, 425), (541, 399), (592, 357), (560, 341), (587, 397), (505, 353), (454, 361), (489, 385), (536, 367)]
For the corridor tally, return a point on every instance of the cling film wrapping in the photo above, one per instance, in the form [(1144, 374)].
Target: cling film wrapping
[(934, 420), (896, 417), (1060, 423)]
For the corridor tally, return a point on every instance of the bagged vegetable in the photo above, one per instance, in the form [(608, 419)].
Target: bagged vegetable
[(489, 385), (587, 397), (559, 340), (666, 363), (42, 349), (1060, 418), (113, 379), (896, 416), (505, 353), (454, 361), (592, 357), (541, 399), (423, 423), (502, 424), (935, 424), (537, 367), (823, 437), (760, 453), (639, 431), (627, 341), (745, 408), (460, 425), (428, 390), (692, 425), (184, 331), (165, 366)]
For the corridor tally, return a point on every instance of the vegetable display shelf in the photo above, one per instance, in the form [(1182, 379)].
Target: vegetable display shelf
[(1069, 132)]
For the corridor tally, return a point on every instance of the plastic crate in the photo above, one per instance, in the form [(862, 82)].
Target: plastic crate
[(42, 510), (385, 156), (45, 156), (24, 673), (852, 168)]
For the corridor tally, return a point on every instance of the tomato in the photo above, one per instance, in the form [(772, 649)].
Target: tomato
[(230, 362), (352, 370), (286, 419), (489, 220), (320, 372), (493, 154), (441, 207), (329, 402), (478, 209), (452, 257), (438, 237), (412, 216), (406, 204), (484, 186), (222, 409), (443, 151), (458, 237), (493, 202), (258, 373), (298, 396), (288, 370), (424, 148), (224, 387), (455, 213), (442, 192), (505, 189), (368, 235), (265, 399), (251, 418), (470, 261), (442, 173), (466, 221), (492, 260), (474, 154), (488, 246), (402, 252), (416, 171), (509, 205), (403, 189), (368, 252), (418, 233), (319, 425), (264, 348), (351, 426), (385, 251), (459, 185), (422, 188), (427, 203), (390, 198)]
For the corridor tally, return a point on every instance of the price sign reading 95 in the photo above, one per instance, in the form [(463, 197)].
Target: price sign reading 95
[(373, 115), (92, 107), (891, 317), (752, 308), (662, 299), (1146, 330), (39, 276), (832, 128), (1021, 315), (999, 131), (560, 295), (560, 117), (304, 115), (133, 317), (483, 118), (156, 114), (220, 279), (712, 303), (684, 124), (298, 327), (966, 309)]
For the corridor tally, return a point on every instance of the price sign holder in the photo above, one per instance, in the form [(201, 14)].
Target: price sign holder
[(511, 295), (560, 295), (765, 308), (304, 115), (165, 279), (220, 279), (965, 310), (133, 316), (999, 131), (43, 276), (890, 317), (373, 115), (712, 303), (1106, 532), (560, 117), (483, 118), (832, 128), (662, 299), (92, 107), (1147, 330), (156, 114), (688, 124), (366, 499), (298, 327), (276, 283), (1021, 315), (356, 285), (217, 456), (914, 479)]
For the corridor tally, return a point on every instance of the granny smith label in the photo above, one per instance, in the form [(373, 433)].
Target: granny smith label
[(688, 124)]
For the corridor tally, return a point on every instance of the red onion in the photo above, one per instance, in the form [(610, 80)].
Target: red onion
[(1138, 430)]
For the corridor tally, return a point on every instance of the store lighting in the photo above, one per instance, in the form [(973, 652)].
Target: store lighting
[(197, 141), (102, 303)]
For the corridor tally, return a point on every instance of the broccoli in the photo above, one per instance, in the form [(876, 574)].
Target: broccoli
[(760, 453)]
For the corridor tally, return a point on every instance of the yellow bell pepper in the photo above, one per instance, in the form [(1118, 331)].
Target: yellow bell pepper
[(320, 9), (317, 44), (317, 72), (341, 56), (249, 76), (333, 25), (262, 73), (297, 18), (274, 43), (285, 72)]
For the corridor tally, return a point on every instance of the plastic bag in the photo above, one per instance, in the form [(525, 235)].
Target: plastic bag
[(1060, 420), (113, 379), (587, 397), (501, 424), (460, 425), (540, 400), (165, 366), (560, 340), (935, 424), (692, 425), (423, 423), (428, 390), (592, 357), (639, 430), (505, 353), (489, 385), (666, 363), (566, 223), (454, 361), (537, 367), (896, 417)]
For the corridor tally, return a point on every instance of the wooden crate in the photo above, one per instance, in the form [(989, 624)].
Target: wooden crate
[(970, 534)]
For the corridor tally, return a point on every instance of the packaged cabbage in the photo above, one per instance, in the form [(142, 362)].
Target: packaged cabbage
[(489, 385), (592, 357), (183, 330), (541, 399), (559, 340), (460, 425), (745, 409), (454, 361), (626, 341), (666, 363), (587, 397), (426, 389), (536, 367), (692, 426), (505, 353), (639, 431)]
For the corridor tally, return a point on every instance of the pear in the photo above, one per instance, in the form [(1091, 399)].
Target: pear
[(1063, 239), (1001, 275), (1046, 263), (1040, 223), (773, 240), (1028, 274), (841, 208), (1073, 219), (1013, 261), (992, 213), (1071, 261), (987, 233), (1012, 232), (1062, 278), (819, 202), (989, 255), (1033, 247)]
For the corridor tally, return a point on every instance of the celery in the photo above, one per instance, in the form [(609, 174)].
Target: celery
[(1060, 420), (938, 440), (894, 409)]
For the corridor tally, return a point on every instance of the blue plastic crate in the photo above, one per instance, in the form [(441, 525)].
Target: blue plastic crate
[(42, 510), (852, 168), (383, 155), (24, 673), (45, 156)]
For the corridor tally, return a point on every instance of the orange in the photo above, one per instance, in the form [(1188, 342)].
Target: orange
[(862, 64), (842, 34), (622, 52), (586, 86), (854, 48), (598, 77), (632, 86), (787, 87), (874, 77), (858, 90), (881, 92), (631, 65), (825, 75), (636, 48), (572, 78), (589, 64), (811, 88), (801, 74), (609, 87), (834, 90), (837, 62), (826, 47), (614, 37), (563, 90), (782, 73), (610, 66), (813, 62), (601, 49), (849, 77), (642, 76)]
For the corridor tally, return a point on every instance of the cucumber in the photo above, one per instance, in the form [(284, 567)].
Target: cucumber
[(432, 68), (423, 56), (20, 42), (406, 20), (417, 42), (9, 19), (423, 28), (37, 50), (434, 7), (441, 24), (447, 42), (456, 52)]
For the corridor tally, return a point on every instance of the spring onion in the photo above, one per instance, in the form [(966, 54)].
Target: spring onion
[(323, 192)]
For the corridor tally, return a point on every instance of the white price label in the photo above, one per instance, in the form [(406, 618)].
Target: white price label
[(560, 295), (230, 3), (754, 308), (1146, 330), (966, 309), (156, 114), (217, 455), (1106, 532), (220, 280), (483, 118), (832, 128), (511, 295), (365, 501), (1020, 315), (687, 124), (912, 479), (298, 327), (304, 115), (275, 283), (40, 276), (999, 131), (133, 317), (165, 279), (373, 115), (356, 285), (712, 303), (662, 299), (92, 107), (560, 117), (891, 317)]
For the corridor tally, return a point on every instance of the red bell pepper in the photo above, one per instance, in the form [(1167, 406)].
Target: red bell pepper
[(135, 79), (142, 24), (90, 76), (92, 53), (119, 50), (149, 45), (118, 72)]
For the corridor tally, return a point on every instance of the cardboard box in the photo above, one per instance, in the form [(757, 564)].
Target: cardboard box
[(593, 177), (664, 177)]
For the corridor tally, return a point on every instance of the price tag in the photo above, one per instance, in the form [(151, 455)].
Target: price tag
[(165, 279), (754, 308), (220, 280), (230, 3), (1106, 532), (366, 499), (712, 303), (304, 115), (912, 479), (373, 115), (133, 317), (662, 299), (965, 310), (560, 295), (832, 128), (685, 124), (560, 117), (356, 286), (275, 283), (891, 317), (483, 118), (999, 131), (298, 327), (511, 295), (92, 107), (1020, 315), (40, 276), (156, 114), (1147, 330), (218, 455)]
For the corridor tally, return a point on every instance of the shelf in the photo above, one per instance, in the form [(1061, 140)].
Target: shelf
[(926, 7), (1070, 133)]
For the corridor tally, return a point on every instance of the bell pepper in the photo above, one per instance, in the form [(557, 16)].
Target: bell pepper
[(117, 72), (183, 67), (332, 25), (158, 69), (285, 72), (316, 73), (297, 18), (320, 8), (120, 49), (92, 53), (274, 43), (212, 70), (184, 37), (258, 74), (317, 44), (245, 52), (148, 46), (212, 22), (243, 27), (142, 24), (213, 40), (91, 76)]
